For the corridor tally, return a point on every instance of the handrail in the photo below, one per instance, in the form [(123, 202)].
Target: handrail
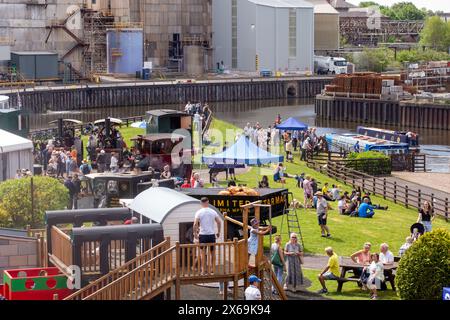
[(115, 274), (61, 246), (129, 277), (160, 272)]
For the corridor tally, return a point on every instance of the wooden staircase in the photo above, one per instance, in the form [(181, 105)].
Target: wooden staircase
[(112, 276)]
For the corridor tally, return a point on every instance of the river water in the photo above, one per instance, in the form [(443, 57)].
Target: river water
[(435, 143)]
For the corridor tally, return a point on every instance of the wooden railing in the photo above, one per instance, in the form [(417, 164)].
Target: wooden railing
[(222, 254), (388, 190), (61, 254), (122, 270), (143, 282), (177, 264)]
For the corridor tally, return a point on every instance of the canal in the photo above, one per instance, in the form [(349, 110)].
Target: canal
[(435, 143)]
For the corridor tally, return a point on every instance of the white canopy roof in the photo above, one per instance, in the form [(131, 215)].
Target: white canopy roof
[(10, 142), (157, 203)]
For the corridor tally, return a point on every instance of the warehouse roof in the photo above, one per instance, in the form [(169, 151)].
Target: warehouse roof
[(33, 53), (10, 142), (322, 6), (283, 3), (341, 4)]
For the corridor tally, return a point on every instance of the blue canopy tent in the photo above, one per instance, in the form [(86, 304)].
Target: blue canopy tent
[(293, 124), (243, 152)]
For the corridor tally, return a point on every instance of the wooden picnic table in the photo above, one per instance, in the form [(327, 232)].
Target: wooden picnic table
[(347, 264)]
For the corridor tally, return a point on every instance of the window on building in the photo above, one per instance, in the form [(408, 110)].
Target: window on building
[(292, 33), (234, 51)]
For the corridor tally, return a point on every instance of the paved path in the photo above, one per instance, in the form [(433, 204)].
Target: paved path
[(437, 183)]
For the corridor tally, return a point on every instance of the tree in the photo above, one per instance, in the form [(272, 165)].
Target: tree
[(417, 55), (406, 11), (399, 11), (436, 34), (424, 270), (15, 201), (377, 60)]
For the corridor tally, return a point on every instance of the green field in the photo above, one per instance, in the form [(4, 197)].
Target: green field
[(348, 234)]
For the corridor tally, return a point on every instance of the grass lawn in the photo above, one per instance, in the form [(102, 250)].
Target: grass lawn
[(350, 290), (348, 234)]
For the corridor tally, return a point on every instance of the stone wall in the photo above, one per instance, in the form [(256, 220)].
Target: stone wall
[(16, 253)]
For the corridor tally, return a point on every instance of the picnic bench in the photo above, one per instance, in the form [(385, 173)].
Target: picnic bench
[(348, 264)]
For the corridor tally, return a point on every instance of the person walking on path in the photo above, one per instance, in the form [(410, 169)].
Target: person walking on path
[(331, 271), (293, 252), (277, 260), (322, 215), (77, 189), (426, 216), (205, 222)]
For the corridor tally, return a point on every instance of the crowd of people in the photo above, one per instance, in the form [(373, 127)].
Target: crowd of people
[(307, 142)]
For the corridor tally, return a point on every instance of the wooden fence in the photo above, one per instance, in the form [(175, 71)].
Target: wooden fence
[(387, 189)]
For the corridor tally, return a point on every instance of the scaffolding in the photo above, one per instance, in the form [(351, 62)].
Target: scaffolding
[(357, 32), (96, 25)]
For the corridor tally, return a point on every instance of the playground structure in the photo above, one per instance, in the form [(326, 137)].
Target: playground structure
[(164, 266), (96, 250), (135, 262), (35, 284)]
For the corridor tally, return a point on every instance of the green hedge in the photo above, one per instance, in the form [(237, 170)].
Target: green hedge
[(424, 270), (370, 162)]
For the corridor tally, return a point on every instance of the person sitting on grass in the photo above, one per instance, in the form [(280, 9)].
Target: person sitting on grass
[(331, 271), (366, 210), (278, 175), (375, 206), (352, 208), (264, 183)]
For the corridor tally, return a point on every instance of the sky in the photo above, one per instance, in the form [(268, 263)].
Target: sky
[(443, 5)]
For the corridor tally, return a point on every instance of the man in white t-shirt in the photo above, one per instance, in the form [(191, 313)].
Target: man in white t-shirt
[(205, 222), (253, 292), (386, 256)]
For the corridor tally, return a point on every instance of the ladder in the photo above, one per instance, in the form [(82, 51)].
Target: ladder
[(291, 216)]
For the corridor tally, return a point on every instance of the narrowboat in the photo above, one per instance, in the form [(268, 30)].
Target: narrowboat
[(348, 142)]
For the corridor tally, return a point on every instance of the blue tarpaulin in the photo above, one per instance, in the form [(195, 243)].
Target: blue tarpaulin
[(293, 124), (243, 152)]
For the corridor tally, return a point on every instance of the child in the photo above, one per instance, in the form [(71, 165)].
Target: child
[(376, 276)]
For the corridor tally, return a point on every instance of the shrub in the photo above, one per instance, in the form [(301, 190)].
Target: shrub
[(425, 268), (15, 201), (370, 162)]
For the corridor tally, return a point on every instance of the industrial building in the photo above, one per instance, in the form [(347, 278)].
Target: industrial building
[(254, 35), (326, 26), (77, 31), (169, 27)]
